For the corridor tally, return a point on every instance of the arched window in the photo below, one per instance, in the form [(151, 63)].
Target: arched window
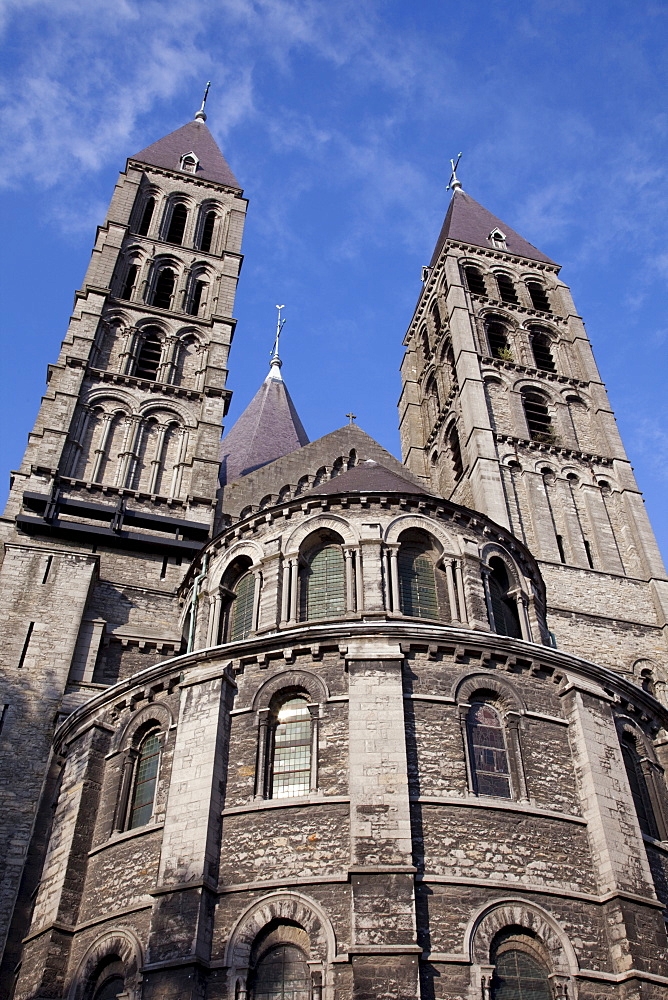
[(488, 756), (177, 224), (436, 318), (506, 289), (145, 781), (164, 289), (541, 346), (539, 298), (148, 359), (418, 586), (475, 281), (539, 422), (424, 343), (506, 620), (455, 450), (520, 971), (196, 294), (110, 989), (433, 399), (189, 162), (242, 607), (291, 749), (206, 237), (498, 340), (638, 785), (322, 582), (129, 283), (146, 217), (282, 974)]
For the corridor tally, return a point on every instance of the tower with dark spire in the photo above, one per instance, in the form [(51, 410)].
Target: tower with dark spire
[(117, 490), (503, 410)]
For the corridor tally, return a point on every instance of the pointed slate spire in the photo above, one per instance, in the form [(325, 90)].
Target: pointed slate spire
[(196, 138), (269, 428), (468, 222)]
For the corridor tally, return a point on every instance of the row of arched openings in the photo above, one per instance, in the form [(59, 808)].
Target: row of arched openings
[(505, 288), (174, 222), (161, 285), (499, 344)]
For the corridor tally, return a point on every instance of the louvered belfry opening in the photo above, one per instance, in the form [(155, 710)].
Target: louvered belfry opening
[(177, 224), (129, 283), (207, 232), (506, 289), (164, 289), (146, 217), (148, 360), (322, 579), (538, 295), (537, 415), (475, 281), (541, 346), (497, 338), (504, 607)]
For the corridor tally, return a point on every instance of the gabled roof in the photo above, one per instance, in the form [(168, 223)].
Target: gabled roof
[(269, 428), (468, 222), (368, 477), (191, 138)]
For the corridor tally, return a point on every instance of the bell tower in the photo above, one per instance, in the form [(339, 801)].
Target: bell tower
[(503, 410), (118, 486)]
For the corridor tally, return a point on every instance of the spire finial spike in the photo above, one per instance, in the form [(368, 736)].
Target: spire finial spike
[(201, 114), (454, 183), (275, 360)]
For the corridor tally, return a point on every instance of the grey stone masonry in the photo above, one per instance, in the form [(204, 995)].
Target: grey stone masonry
[(503, 410), (117, 488)]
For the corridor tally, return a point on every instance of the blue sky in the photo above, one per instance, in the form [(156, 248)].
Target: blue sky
[(339, 120)]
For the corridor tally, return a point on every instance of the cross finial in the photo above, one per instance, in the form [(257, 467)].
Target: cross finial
[(201, 114), (352, 417), (454, 183), (280, 323)]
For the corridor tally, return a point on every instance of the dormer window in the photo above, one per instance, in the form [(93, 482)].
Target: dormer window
[(497, 239), (189, 162)]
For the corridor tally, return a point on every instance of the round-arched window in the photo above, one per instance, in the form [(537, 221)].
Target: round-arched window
[(518, 976), (241, 611), (282, 974), (291, 751), (110, 989), (323, 587)]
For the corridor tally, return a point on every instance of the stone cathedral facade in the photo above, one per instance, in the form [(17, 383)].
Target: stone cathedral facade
[(292, 720)]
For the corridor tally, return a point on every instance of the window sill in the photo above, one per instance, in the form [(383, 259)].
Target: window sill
[(259, 805), (117, 838)]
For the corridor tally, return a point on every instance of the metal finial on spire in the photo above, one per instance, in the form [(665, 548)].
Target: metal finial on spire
[(454, 184), (280, 323), (201, 114)]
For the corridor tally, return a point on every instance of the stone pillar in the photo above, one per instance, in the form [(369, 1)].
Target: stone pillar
[(617, 849), (395, 595), (182, 917), (450, 575), (46, 952), (384, 950)]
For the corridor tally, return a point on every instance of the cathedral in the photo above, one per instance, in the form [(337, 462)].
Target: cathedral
[(285, 719)]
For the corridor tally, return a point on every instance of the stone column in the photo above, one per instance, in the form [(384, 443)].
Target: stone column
[(350, 579), (459, 576), (294, 588), (101, 450), (384, 950), (450, 575), (395, 595), (184, 898)]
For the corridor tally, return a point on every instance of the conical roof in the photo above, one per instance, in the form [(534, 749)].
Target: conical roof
[(368, 477), (191, 138), (468, 222), (269, 428)]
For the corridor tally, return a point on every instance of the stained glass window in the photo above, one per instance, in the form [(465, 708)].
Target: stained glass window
[(518, 976), (291, 770), (282, 974), (487, 749), (241, 611), (323, 587), (146, 778), (417, 583)]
